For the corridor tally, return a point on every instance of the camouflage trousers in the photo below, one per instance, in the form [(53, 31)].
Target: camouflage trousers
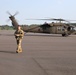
[(19, 48)]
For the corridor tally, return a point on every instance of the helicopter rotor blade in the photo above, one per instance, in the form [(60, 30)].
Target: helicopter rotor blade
[(15, 13), (34, 19), (9, 13), (48, 19)]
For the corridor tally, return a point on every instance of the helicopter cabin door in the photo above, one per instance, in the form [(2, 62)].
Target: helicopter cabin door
[(53, 29)]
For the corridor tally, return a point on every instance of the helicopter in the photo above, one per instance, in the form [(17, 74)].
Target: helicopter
[(51, 28)]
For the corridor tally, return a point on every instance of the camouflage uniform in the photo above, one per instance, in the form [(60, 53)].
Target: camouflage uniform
[(19, 35)]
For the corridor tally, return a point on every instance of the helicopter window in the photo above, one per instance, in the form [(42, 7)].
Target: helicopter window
[(69, 28), (60, 29)]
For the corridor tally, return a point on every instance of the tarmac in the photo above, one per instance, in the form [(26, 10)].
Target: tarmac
[(43, 54)]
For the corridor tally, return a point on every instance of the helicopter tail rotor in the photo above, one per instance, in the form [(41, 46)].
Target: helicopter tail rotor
[(9, 13), (13, 20), (16, 13)]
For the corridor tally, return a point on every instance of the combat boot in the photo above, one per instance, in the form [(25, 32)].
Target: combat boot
[(20, 51), (17, 51)]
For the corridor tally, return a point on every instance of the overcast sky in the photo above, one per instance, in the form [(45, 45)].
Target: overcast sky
[(65, 9)]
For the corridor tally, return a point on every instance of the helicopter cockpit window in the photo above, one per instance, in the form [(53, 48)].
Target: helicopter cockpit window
[(69, 28)]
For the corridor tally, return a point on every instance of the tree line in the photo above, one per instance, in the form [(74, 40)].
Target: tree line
[(8, 27)]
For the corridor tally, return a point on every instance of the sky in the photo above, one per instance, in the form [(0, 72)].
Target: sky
[(36, 9)]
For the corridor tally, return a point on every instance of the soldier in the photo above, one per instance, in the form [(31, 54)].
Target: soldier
[(19, 33)]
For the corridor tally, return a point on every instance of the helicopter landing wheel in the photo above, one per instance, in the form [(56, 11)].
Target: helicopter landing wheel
[(64, 35)]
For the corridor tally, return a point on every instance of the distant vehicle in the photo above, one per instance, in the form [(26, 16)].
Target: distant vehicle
[(64, 29)]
